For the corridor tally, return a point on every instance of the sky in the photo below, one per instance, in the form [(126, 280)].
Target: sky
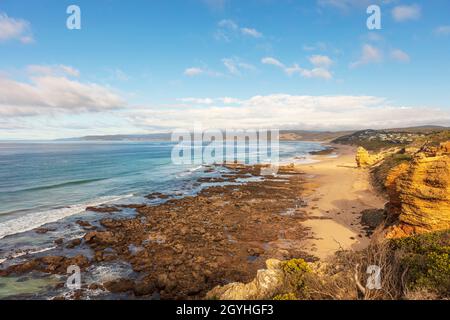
[(153, 66)]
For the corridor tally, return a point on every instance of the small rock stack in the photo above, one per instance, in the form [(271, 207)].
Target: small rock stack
[(365, 159)]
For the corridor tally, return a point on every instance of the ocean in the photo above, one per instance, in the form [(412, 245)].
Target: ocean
[(51, 183)]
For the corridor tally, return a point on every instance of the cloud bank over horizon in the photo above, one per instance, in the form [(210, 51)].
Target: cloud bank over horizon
[(287, 111), (52, 101), (275, 111)]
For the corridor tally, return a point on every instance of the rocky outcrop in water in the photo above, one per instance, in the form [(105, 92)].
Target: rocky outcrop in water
[(419, 193)]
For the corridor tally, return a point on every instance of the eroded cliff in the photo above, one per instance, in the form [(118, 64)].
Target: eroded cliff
[(419, 193)]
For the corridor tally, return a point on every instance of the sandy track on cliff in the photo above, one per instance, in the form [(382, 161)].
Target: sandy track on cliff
[(337, 192)]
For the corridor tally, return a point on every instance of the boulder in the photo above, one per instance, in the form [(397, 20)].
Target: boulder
[(119, 285), (100, 237), (266, 284), (144, 288)]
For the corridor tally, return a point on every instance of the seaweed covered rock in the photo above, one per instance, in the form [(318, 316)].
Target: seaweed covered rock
[(419, 193)]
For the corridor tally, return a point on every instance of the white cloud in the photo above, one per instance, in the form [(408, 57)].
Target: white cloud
[(230, 64), (192, 72), (320, 72), (272, 61), (197, 100), (283, 111), (229, 28), (120, 75), (406, 12), (321, 61), (230, 24), (322, 46), (14, 29), (370, 54), (54, 70), (400, 56), (293, 70), (235, 66), (442, 30), (196, 71), (209, 101), (229, 100), (53, 94), (251, 32)]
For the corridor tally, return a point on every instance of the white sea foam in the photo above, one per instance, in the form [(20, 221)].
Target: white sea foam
[(33, 251), (189, 172), (34, 220), (195, 169), (26, 252)]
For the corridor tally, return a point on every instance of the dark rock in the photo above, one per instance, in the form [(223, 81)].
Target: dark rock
[(372, 217), (101, 237), (103, 209), (43, 230), (74, 243), (120, 285), (144, 288)]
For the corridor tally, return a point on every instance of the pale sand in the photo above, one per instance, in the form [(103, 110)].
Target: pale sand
[(335, 186)]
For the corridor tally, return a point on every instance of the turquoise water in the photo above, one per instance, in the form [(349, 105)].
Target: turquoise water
[(51, 183), (48, 181)]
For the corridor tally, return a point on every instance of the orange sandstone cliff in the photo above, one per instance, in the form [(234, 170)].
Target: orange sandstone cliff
[(419, 193), (364, 159)]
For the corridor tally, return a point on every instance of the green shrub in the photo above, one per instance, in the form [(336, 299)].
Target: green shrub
[(425, 259), (294, 271), (295, 266), (286, 296)]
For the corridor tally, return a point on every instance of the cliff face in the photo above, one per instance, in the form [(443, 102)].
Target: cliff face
[(419, 193), (364, 159)]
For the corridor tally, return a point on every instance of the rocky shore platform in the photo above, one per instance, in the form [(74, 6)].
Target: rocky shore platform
[(184, 247)]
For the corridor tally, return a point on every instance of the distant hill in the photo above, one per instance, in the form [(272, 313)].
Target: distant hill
[(379, 139), (303, 135), (123, 137), (344, 137), (285, 135)]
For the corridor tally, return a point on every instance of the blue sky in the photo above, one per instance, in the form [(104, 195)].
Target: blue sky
[(146, 66)]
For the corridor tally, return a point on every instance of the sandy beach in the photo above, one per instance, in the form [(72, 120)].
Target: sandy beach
[(338, 191)]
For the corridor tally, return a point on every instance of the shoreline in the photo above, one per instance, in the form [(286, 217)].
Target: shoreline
[(338, 191), (183, 248)]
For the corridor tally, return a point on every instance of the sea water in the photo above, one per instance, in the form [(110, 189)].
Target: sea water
[(50, 184)]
